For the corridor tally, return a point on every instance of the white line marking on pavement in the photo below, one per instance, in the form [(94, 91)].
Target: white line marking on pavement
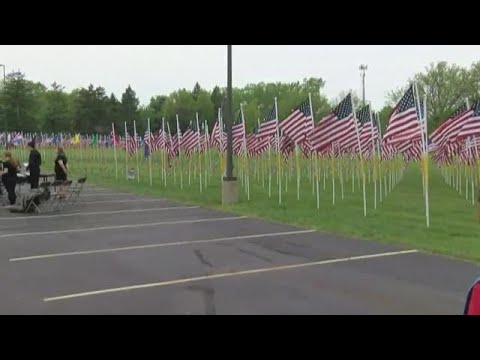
[(122, 201), (180, 243), (122, 227), (107, 194), (33, 217), (225, 275)]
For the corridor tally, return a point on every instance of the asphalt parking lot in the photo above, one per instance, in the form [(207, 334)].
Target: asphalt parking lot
[(118, 253)]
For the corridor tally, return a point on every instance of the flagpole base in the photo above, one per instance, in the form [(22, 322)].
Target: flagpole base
[(230, 191)]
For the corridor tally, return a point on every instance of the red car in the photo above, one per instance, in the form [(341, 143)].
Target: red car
[(472, 306)]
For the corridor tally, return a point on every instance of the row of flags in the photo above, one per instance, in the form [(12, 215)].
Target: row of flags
[(343, 131), (457, 137)]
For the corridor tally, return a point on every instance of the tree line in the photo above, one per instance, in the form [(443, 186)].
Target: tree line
[(30, 106)]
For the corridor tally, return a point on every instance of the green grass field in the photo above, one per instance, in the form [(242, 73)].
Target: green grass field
[(399, 219)]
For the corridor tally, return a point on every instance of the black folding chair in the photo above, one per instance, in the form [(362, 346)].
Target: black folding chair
[(37, 199), (75, 190)]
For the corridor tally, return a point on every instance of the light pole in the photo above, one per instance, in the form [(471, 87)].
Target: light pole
[(229, 184), (228, 117), (6, 121), (3, 66), (363, 69)]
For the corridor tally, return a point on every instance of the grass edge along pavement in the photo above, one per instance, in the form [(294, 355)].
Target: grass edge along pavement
[(399, 220)]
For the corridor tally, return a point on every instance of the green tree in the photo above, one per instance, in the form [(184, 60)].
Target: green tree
[(90, 110), (20, 99), (216, 98), (56, 116), (129, 105), (196, 91), (446, 86)]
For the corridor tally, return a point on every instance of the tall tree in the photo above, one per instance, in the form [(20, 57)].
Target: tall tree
[(217, 99), (114, 111), (91, 110), (130, 105), (446, 87), (196, 91), (56, 115), (20, 99)]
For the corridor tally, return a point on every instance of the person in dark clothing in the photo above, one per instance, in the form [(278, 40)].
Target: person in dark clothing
[(34, 163), (9, 176), (61, 169)]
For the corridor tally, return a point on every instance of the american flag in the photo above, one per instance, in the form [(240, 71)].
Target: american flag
[(287, 145), (388, 151), (404, 123), (472, 126), (269, 126), (114, 137), (252, 145), (439, 133), (16, 138), (261, 144), (413, 151), (158, 140), (171, 145), (368, 131), (190, 139), (218, 137), (131, 144), (238, 134), (297, 125), (337, 126)]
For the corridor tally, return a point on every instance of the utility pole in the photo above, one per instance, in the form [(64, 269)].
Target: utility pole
[(4, 83), (230, 192), (363, 69)]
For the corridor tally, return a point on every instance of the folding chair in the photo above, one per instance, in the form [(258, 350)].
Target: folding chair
[(75, 191), (33, 200), (58, 198)]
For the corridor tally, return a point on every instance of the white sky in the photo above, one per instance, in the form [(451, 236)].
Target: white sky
[(160, 69)]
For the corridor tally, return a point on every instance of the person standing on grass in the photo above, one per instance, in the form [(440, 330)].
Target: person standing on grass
[(34, 163), (9, 176)]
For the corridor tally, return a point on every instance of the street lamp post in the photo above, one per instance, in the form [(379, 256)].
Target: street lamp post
[(363, 69), (229, 184), (228, 117), (4, 79)]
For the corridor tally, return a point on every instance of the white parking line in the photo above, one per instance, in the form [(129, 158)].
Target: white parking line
[(122, 201), (34, 217), (179, 243), (107, 194), (121, 227), (224, 275)]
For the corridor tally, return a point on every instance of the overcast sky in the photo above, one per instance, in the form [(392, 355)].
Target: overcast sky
[(160, 69)]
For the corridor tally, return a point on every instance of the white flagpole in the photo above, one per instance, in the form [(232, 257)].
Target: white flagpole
[(171, 144), (150, 152), (379, 156), (361, 158), (374, 160), (247, 172), (423, 128), (164, 153), (179, 139), (315, 168), (199, 153), (126, 151), (278, 156), (115, 150), (136, 149)]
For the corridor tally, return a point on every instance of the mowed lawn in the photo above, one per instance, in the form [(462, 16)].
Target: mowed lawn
[(399, 219)]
